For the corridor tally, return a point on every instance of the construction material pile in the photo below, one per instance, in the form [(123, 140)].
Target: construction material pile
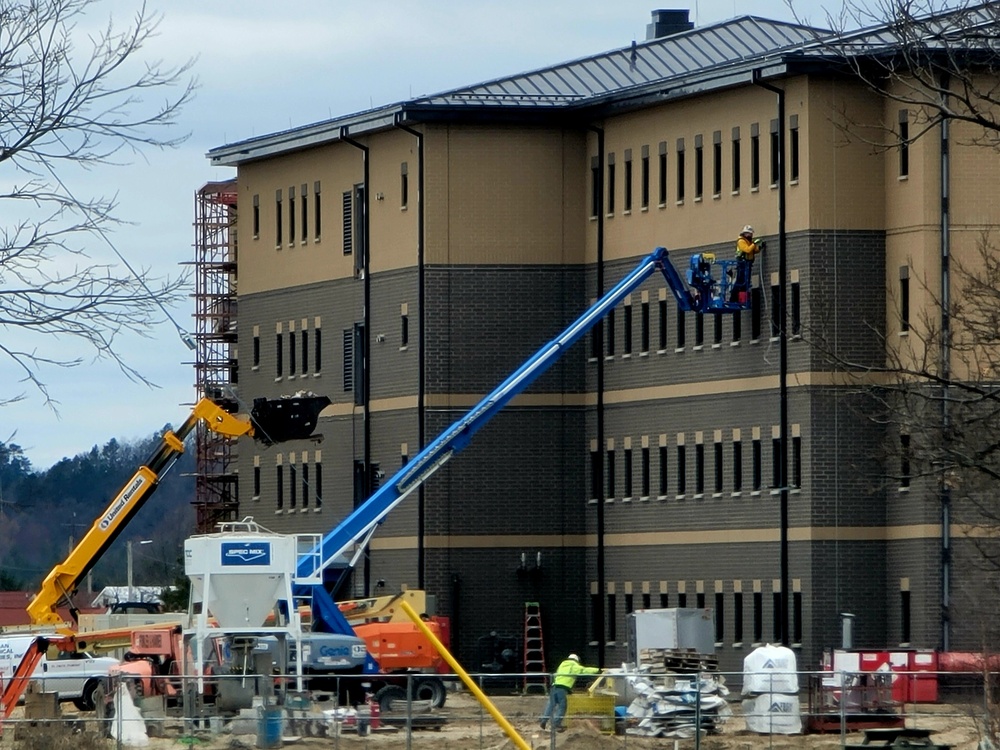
[(676, 661), (670, 705)]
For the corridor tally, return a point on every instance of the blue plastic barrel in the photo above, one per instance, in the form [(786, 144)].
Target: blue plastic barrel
[(269, 728)]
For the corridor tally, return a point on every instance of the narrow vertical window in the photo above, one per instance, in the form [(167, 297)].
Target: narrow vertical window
[(404, 185), (682, 599), (717, 329), (717, 163), (699, 168), (304, 200), (610, 466), (775, 311), (612, 616), (776, 463), (755, 156), (348, 211), (597, 339), (279, 478), (645, 472), (776, 615), (256, 216), (680, 170), (755, 313), (664, 600), (278, 354), (718, 465), (305, 485), (904, 143), (775, 153), (796, 461), (904, 298), (904, 615), (796, 309), (757, 459), (737, 325), (758, 616), (699, 329), (720, 619), (611, 183), (404, 330), (278, 231), (663, 325), (291, 215), (680, 329), (595, 187), (644, 328), (305, 351), (699, 600), (904, 460), (796, 617), (627, 475), (738, 617), (663, 174), (293, 487), (627, 187), (319, 484), (793, 148), (737, 465), (629, 603), (317, 210), (256, 350), (627, 329), (360, 230), (595, 616), (647, 601), (292, 358), (644, 178), (358, 365), (318, 361), (610, 326), (596, 479), (256, 481), (737, 163), (681, 470), (663, 470), (699, 468)]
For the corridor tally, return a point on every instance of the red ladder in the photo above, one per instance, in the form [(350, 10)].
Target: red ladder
[(536, 677)]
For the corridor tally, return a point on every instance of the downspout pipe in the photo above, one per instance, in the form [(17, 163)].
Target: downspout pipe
[(782, 355), (599, 618), (421, 353), (945, 355), (366, 375)]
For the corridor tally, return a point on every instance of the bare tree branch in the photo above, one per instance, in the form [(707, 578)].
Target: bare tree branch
[(69, 99)]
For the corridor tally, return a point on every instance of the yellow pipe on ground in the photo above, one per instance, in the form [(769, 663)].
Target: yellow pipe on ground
[(505, 725)]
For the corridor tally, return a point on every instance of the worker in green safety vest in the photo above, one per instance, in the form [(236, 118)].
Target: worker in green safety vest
[(562, 686)]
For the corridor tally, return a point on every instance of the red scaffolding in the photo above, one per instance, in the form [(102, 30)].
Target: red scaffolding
[(216, 493)]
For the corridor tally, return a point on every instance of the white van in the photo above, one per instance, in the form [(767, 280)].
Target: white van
[(75, 675)]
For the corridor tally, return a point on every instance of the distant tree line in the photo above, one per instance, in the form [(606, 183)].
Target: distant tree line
[(44, 513)]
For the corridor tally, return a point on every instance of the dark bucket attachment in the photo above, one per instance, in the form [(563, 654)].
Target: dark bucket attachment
[(280, 419)]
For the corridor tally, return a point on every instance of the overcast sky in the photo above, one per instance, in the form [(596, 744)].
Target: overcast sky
[(264, 67)]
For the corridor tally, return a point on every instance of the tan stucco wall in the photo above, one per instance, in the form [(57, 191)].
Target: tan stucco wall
[(503, 195)]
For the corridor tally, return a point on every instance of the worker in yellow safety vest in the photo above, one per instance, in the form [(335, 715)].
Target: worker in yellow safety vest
[(562, 686)]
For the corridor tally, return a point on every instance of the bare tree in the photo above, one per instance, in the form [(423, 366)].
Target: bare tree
[(72, 99), (938, 58)]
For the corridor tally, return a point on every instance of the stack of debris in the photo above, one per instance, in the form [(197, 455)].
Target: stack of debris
[(671, 705), (676, 661)]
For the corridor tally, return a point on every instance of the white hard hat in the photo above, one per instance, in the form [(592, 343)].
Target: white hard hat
[(747, 230), (574, 657)]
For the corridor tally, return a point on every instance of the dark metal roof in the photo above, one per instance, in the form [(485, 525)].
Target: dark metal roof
[(656, 61), (722, 55)]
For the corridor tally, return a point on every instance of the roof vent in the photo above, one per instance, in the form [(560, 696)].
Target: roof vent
[(667, 22)]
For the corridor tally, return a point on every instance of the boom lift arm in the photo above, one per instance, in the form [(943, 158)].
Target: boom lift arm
[(705, 294), (270, 421)]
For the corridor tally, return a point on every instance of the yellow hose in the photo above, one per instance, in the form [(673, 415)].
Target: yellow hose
[(473, 687)]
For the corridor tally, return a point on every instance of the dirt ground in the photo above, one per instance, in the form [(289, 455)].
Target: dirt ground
[(468, 727)]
